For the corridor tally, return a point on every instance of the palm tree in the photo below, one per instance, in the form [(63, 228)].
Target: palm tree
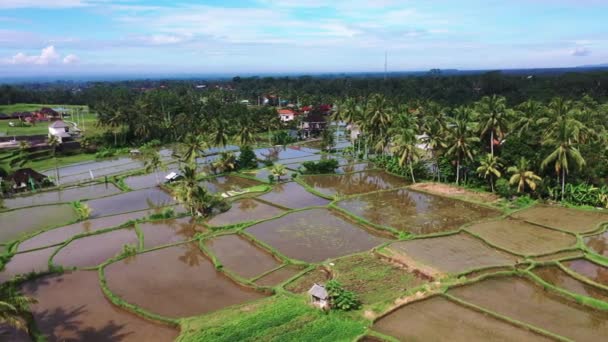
[(522, 176), (403, 132), (53, 143), (460, 137), (220, 132), (244, 136), (226, 162), (530, 112), (14, 307), (153, 162), (328, 138), (376, 121), (193, 146), (492, 117), (186, 188), (563, 134), (278, 170), (489, 169), (434, 129)]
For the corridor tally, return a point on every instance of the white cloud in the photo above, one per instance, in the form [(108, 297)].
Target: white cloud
[(580, 52), (71, 59), (48, 56), (41, 3)]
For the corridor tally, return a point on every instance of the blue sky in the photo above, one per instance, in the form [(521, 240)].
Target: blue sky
[(48, 37)]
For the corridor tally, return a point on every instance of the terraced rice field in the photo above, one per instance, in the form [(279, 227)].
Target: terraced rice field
[(428, 267), (452, 254), (149, 281), (522, 238), (414, 212)]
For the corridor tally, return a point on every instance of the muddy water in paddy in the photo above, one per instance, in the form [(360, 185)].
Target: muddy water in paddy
[(572, 220), (593, 271), (62, 196), (164, 232), (93, 250), (148, 180), (522, 300), (415, 212), (23, 263), (98, 173), (314, 235), (176, 281), (130, 201), (355, 167), (59, 235), (19, 222), (436, 318), (598, 243), (72, 307), (228, 183), (240, 256), (280, 153), (521, 237), (451, 254), (293, 195), (356, 183), (279, 276), (554, 275), (245, 210)]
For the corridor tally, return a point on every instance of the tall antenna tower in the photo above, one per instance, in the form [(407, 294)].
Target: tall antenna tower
[(385, 64)]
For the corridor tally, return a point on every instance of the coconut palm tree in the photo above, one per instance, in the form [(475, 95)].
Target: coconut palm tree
[(244, 136), (225, 163), (53, 143), (563, 134), (376, 121), (493, 117), (433, 129), (489, 169), (404, 141), (220, 132), (522, 176), (529, 112), (153, 162), (278, 170), (14, 307), (186, 188), (193, 147), (460, 138)]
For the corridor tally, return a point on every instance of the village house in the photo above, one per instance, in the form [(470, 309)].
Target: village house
[(24, 178), (287, 115), (61, 130), (319, 296)]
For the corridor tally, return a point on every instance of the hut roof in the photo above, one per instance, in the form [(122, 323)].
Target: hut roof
[(318, 291), (23, 176), (59, 124)]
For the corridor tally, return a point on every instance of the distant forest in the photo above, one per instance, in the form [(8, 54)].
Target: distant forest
[(449, 90)]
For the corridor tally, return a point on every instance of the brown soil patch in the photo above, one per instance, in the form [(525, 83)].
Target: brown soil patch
[(455, 192)]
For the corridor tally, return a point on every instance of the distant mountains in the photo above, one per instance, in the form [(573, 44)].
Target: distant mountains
[(604, 65)]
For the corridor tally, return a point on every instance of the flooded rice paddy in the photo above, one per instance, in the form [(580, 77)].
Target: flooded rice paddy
[(522, 238), (598, 243), (148, 180), (451, 254), (66, 195), (130, 201), (228, 183), (280, 153), (24, 263), (591, 270), (20, 222), (522, 300), (177, 281), (241, 256), (354, 183), (292, 195), (314, 235), (245, 210), (279, 276), (436, 318), (72, 307), (415, 212), (93, 250), (571, 220), (556, 276), (59, 235), (163, 232)]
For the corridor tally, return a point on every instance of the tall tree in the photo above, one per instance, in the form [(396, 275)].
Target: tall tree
[(193, 147), (403, 132), (460, 138), (153, 162), (14, 307), (492, 111)]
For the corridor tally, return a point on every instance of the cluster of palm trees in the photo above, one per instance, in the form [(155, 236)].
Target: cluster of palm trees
[(474, 134)]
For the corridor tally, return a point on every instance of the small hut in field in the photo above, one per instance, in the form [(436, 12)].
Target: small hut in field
[(319, 296)]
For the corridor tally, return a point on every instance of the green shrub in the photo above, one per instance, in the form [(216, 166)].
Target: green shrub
[(271, 178), (247, 158), (503, 188), (340, 298), (322, 166), (82, 210)]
